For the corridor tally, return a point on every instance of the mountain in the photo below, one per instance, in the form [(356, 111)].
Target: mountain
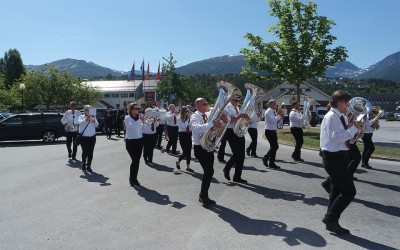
[(214, 66), (342, 69), (387, 69), (80, 68)]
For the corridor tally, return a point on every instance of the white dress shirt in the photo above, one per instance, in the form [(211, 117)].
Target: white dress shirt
[(170, 119), (230, 109), (91, 127), (334, 135), (71, 118), (158, 113), (183, 124), (254, 119), (198, 127), (133, 128), (296, 118), (368, 129), (271, 119), (147, 128)]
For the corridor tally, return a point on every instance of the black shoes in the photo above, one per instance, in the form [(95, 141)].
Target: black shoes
[(177, 165), (69, 155), (334, 227), (83, 166), (189, 169), (248, 152), (265, 160), (254, 156), (273, 166), (134, 183), (226, 174), (327, 186), (221, 160), (206, 201), (239, 180), (89, 169), (74, 157), (366, 165), (297, 159)]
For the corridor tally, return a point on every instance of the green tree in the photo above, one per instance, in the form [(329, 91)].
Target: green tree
[(53, 87), (303, 50), (12, 67), (171, 88)]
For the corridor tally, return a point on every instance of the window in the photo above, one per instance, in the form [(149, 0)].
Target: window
[(14, 121), (308, 90), (107, 95), (124, 95), (132, 95), (33, 119), (115, 95)]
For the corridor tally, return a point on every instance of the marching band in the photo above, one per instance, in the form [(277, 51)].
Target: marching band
[(202, 130)]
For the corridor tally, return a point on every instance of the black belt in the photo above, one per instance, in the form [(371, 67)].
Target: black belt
[(338, 153)]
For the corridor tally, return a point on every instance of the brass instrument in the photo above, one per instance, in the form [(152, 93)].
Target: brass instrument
[(279, 109), (357, 111), (210, 139), (377, 113), (306, 111), (241, 126)]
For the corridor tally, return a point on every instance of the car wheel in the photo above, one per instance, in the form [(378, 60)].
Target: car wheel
[(313, 124), (49, 136)]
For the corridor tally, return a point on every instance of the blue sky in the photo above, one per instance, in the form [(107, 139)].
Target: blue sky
[(116, 33)]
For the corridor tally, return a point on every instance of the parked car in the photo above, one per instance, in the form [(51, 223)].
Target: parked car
[(32, 126), (2, 117), (314, 119)]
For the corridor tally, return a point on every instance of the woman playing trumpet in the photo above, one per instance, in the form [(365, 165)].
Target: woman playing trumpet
[(149, 135)]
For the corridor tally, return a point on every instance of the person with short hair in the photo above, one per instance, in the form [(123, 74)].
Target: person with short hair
[(296, 119), (71, 124), (87, 127), (369, 146), (334, 145), (149, 135), (271, 126), (185, 138), (133, 124), (161, 122), (253, 132)]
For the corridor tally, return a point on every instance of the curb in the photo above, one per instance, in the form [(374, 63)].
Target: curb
[(378, 157)]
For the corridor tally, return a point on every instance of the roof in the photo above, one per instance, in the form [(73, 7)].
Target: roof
[(120, 86)]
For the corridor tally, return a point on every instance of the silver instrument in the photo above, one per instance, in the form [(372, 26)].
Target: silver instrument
[(306, 111), (242, 125), (72, 128), (377, 112), (210, 139), (357, 111)]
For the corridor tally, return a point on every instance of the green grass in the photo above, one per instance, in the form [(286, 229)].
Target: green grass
[(311, 140)]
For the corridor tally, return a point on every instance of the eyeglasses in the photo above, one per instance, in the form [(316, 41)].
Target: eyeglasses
[(205, 104), (236, 100)]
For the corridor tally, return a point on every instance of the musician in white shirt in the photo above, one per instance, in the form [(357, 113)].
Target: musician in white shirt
[(335, 157), (70, 121), (172, 129), (253, 132), (271, 119), (185, 138), (161, 123), (296, 119), (369, 146), (199, 125), (134, 140), (149, 131), (87, 127)]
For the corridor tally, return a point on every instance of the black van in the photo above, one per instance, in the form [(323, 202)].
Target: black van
[(32, 126)]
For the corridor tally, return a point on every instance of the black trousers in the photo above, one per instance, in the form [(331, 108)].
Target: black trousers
[(238, 146), (109, 127), (253, 132), (298, 136), (354, 158), (71, 141), (134, 148), (369, 148), (149, 143), (272, 138), (185, 139), (206, 160), (343, 190), (173, 138), (87, 144), (118, 125), (221, 149), (159, 133)]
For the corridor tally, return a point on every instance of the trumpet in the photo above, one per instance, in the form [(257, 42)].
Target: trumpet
[(279, 109), (376, 112)]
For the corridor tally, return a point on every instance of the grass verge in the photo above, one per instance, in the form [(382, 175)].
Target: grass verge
[(311, 140)]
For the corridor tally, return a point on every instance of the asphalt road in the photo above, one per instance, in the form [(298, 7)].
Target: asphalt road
[(48, 203)]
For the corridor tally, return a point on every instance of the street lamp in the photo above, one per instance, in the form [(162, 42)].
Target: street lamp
[(22, 88)]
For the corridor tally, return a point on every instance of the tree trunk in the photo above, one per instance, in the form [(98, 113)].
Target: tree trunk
[(298, 91)]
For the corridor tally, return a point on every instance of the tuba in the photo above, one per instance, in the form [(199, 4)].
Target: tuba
[(227, 91), (306, 111), (358, 110), (241, 125), (377, 112)]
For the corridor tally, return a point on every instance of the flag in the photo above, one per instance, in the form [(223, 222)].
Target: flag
[(132, 76), (158, 72), (148, 72), (142, 69), (162, 73)]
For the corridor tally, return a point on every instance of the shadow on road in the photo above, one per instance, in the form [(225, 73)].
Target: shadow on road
[(245, 225), (386, 171), (95, 177), (155, 197), (251, 168), (74, 164), (364, 243), (29, 143), (391, 210), (160, 167), (302, 174), (380, 185), (199, 176)]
